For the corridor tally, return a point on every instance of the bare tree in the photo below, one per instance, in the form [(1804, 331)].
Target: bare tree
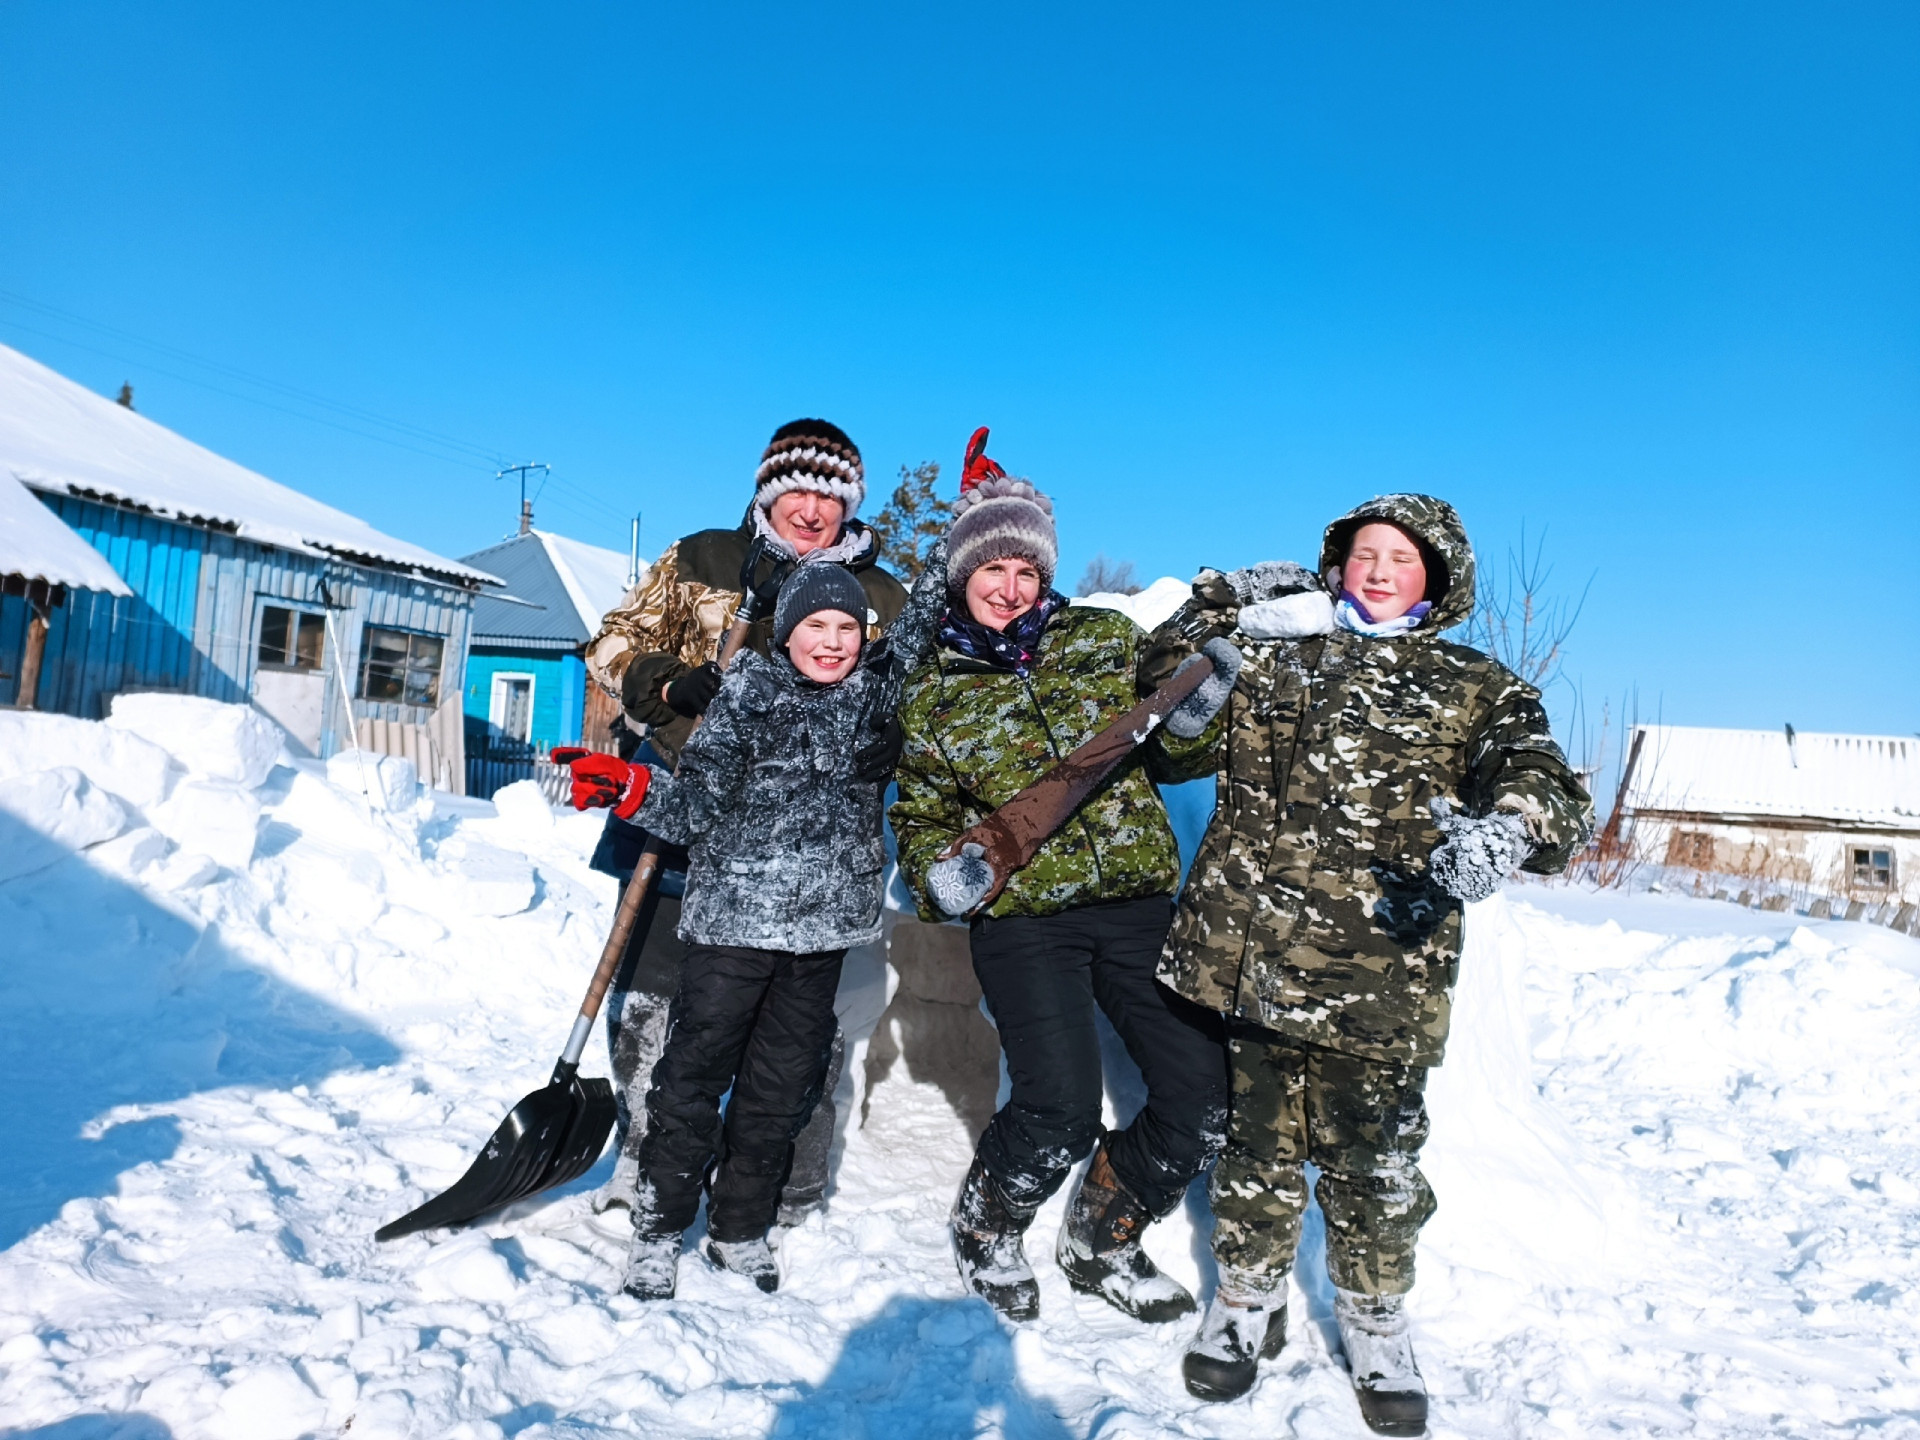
[(1519, 621), (1107, 577), (912, 520)]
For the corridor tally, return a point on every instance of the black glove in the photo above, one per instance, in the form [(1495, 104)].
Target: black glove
[(874, 759), (761, 578), (694, 691)]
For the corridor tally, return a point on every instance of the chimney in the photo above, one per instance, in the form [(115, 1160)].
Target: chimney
[(526, 517)]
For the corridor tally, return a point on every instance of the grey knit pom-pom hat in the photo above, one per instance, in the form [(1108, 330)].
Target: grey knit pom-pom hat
[(998, 518)]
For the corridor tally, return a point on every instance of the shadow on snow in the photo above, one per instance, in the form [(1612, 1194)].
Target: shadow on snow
[(921, 1368), (109, 999)]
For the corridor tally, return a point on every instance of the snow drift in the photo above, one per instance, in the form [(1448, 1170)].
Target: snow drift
[(253, 1009)]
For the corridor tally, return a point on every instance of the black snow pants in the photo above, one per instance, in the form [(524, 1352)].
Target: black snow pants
[(758, 1022), (637, 1006), (1042, 977)]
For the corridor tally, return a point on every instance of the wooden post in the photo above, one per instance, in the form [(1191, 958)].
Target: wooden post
[(36, 650), (1610, 836)]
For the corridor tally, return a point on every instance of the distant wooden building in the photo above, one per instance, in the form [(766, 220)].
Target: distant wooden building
[(234, 586), (1817, 817), (526, 686)]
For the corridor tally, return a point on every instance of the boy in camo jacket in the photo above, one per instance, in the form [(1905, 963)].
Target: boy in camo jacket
[(1375, 777)]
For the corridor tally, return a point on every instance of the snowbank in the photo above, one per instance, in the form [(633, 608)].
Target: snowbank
[(1672, 1145)]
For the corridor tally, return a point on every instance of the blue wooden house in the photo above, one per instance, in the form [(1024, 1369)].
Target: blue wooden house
[(527, 687), (240, 589)]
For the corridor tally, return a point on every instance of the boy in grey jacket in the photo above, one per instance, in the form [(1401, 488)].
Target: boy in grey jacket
[(778, 800)]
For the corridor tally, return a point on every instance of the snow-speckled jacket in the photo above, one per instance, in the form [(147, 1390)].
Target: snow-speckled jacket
[(1310, 909), (784, 843)]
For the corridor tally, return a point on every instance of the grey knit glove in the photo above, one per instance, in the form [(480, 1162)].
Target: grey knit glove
[(960, 882), (1191, 715), (1270, 578), (1479, 852)]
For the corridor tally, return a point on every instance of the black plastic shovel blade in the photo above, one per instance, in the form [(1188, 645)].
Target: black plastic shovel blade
[(586, 1137), (536, 1147)]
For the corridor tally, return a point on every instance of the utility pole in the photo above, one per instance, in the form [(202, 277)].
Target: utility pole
[(526, 505), (633, 556)]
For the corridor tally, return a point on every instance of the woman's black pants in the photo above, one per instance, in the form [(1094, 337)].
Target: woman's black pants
[(1042, 977)]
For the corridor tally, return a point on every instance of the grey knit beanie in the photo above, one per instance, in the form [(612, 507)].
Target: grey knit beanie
[(822, 585), (1001, 518)]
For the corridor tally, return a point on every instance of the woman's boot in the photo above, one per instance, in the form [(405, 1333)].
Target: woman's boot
[(1245, 1324), (1379, 1345), (986, 1246), (1099, 1249)]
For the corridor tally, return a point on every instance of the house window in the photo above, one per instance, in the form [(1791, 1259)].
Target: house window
[(291, 639), (401, 666), (510, 710), (1691, 849), (1873, 867)]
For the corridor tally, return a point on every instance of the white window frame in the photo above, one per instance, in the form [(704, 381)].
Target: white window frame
[(497, 700)]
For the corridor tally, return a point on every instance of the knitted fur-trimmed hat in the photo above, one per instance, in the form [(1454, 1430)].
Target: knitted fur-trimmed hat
[(812, 587), (998, 518), (811, 455)]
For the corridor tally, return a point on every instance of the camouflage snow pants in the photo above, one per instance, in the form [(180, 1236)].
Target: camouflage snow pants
[(1360, 1122)]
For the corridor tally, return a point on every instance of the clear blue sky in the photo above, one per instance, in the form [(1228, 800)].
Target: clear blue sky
[(1643, 278)]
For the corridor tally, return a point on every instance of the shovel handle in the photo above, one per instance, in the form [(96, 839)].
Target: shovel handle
[(634, 895)]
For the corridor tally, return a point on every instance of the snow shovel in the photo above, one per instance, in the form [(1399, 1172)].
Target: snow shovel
[(557, 1133), (1014, 833)]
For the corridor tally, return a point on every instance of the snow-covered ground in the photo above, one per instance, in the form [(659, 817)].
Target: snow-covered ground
[(248, 1012)]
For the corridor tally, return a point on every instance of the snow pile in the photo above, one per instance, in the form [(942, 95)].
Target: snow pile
[(1671, 1145)]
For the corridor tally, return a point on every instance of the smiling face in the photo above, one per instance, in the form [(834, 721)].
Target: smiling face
[(1001, 591), (806, 519), (824, 646), (1384, 570)]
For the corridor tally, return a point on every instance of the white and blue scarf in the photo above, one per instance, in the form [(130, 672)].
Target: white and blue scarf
[(1350, 614)]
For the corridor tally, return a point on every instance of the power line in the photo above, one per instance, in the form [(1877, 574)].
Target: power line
[(580, 500)]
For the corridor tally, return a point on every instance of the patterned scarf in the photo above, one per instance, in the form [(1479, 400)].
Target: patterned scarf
[(1350, 614), (1013, 648)]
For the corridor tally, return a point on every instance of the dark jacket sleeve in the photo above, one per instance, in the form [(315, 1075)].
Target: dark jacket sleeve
[(684, 804), (640, 687), (1514, 763), (1210, 612)]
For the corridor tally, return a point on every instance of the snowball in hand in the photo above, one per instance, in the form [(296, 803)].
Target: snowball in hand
[(962, 881)]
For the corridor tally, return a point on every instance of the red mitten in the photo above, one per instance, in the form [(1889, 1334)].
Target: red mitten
[(601, 780), (978, 466)]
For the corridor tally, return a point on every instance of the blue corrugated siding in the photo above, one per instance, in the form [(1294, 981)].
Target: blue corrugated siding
[(559, 694), (190, 624)]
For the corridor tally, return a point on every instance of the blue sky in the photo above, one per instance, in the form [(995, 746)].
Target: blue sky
[(1643, 279)]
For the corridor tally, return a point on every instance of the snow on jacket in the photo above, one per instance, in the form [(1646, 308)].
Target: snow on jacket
[(978, 734), (1309, 908), (784, 844), (677, 619)]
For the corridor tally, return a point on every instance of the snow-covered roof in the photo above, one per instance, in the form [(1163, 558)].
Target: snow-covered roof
[(596, 579), (557, 590), (35, 543), (1853, 779), (58, 436)]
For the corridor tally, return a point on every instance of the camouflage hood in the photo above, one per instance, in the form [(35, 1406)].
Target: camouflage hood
[(1434, 523)]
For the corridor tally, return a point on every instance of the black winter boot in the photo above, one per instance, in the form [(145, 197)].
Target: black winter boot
[(986, 1246), (1379, 1345), (1099, 1249), (1223, 1360)]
